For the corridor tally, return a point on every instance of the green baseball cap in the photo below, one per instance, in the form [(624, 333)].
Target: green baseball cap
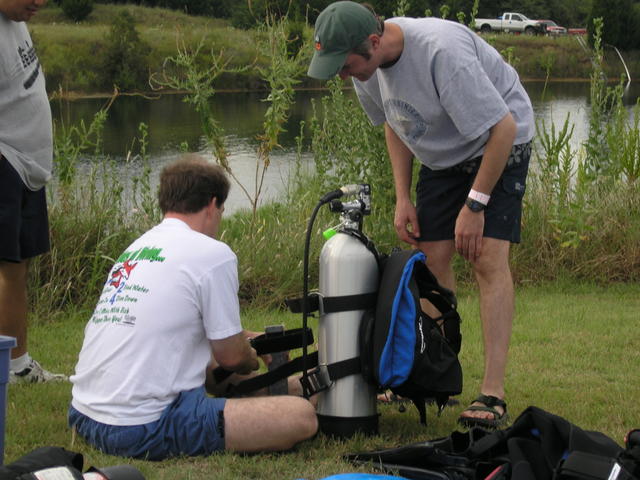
[(340, 28)]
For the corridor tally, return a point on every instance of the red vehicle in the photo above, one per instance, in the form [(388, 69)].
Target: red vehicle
[(552, 28)]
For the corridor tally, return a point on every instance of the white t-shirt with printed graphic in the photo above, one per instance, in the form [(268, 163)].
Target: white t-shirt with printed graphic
[(167, 295), (25, 114), (448, 88)]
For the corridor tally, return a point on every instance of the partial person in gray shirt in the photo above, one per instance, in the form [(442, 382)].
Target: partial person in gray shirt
[(26, 152), (447, 98)]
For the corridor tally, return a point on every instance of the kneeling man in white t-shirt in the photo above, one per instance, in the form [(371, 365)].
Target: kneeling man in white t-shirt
[(170, 304)]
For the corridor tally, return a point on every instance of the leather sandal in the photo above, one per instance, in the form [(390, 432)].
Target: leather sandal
[(489, 402)]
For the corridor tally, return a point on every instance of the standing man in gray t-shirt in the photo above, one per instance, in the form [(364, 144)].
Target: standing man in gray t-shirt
[(25, 166), (448, 99)]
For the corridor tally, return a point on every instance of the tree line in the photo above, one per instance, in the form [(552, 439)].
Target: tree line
[(621, 17)]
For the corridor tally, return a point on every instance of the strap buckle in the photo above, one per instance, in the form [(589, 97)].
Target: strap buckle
[(315, 381), (314, 303)]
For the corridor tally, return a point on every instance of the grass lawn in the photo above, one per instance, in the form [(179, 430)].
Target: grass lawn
[(574, 353)]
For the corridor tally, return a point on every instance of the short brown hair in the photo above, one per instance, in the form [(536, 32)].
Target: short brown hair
[(188, 185)]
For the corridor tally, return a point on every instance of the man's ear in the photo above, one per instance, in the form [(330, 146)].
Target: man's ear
[(212, 204), (374, 38)]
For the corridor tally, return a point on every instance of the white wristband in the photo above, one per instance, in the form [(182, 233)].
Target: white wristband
[(483, 198)]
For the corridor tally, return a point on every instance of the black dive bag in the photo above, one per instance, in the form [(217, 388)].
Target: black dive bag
[(538, 446), (404, 349)]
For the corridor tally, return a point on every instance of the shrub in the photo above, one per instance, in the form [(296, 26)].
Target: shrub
[(126, 58), (77, 10)]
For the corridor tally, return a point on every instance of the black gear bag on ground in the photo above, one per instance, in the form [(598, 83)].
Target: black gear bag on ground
[(61, 464), (538, 446), (40, 458)]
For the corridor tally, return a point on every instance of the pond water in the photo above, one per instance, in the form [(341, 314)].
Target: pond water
[(172, 123)]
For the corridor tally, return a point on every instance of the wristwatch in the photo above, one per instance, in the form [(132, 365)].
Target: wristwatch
[(474, 205)]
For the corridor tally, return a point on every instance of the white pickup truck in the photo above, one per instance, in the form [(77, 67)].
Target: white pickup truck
[(510, 22)]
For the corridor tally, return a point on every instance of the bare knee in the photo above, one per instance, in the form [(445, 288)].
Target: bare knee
[(439, 255), (14, 274), (308, 419), (303, 422), (268, 423), (493, 264)]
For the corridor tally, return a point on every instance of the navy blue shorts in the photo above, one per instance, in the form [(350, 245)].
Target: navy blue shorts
[(440, 195), (23, 217), (192, 425)]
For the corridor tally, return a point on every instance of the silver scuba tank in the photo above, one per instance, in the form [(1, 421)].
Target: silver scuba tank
[(347, 267)]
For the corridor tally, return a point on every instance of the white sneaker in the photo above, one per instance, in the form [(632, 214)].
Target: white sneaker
[(34, 373)]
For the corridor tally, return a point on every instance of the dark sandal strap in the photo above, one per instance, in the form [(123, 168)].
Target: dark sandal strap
[(490, 401), (478, 408)]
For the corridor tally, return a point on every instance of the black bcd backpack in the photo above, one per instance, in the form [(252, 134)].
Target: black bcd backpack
[(404, 349)]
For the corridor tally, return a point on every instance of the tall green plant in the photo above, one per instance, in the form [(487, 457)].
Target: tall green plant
[(282, 73), (474, 14), (623, 144), (445, 10), (402, 8), (185, 72), (144, 199), (560, 178), (71, 142), (611, 137)]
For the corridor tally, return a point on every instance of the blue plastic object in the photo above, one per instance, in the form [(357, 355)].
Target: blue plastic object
[(6, 344), (361, 476)]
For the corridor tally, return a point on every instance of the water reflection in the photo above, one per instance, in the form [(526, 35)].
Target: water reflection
[(172, 122)]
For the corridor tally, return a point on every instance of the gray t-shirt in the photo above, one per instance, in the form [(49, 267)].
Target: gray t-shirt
[(25, 114), (448, 88)]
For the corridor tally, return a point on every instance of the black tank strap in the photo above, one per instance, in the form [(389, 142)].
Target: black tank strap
[(266, 379), (319, 379), (345, 303), (281, 341)]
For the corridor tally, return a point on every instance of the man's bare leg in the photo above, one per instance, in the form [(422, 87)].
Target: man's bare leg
[(13, 323), (496, 312), (276, 423), (439, 256), (13, 304), (496, 306)]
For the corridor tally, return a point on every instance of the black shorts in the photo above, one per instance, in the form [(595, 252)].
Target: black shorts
[(24, 224), (441, 194)]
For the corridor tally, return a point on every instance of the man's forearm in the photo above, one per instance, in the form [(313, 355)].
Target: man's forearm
[(249, 361), (496, 155), (401, 163), (235, 353)]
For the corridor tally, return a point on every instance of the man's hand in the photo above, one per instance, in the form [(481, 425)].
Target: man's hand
[(250, 365), (266, 358), (468, 232), (235, 353), (406, 222)]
